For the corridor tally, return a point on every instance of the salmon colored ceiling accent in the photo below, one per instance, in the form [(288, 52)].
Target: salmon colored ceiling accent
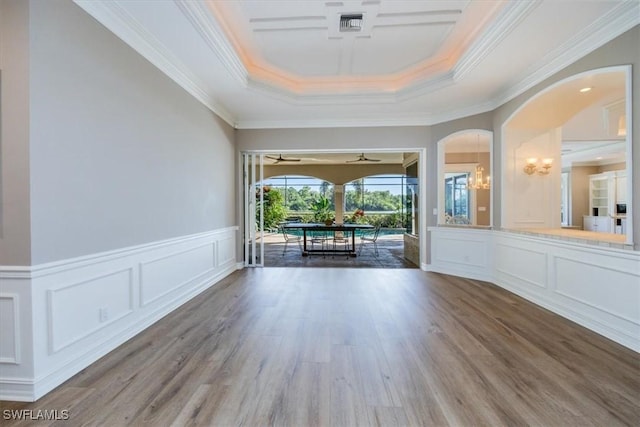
[(298, 46)]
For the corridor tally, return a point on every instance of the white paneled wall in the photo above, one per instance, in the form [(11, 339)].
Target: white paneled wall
[(461, 252), (58, 318), (596, 287)]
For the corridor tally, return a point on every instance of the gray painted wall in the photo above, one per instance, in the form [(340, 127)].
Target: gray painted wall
[(120, 154), (15, 233), (623, 50), (333, 138)]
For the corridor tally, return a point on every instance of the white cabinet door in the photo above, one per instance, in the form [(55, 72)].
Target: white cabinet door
[(603, 224), (589, 223)]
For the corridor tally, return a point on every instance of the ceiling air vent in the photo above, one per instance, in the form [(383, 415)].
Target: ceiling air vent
[(351, 22)]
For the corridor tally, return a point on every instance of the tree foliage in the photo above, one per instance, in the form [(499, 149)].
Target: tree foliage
[(379, 207), (273, 205)]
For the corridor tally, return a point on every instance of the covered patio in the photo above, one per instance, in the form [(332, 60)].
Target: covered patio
[(390, 254)]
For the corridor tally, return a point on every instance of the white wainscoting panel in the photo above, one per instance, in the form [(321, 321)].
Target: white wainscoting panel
[(167, 273), (462, 252), (597, 287), (226, 250), (78, 310), (510, 262), (16, 365), (10, 331)]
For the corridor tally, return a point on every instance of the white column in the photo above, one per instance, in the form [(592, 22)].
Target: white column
[(338, 197)]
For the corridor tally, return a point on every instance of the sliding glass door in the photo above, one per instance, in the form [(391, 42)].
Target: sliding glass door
[(253, 173)]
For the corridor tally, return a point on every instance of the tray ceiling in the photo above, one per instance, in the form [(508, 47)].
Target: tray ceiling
[(265, 64)]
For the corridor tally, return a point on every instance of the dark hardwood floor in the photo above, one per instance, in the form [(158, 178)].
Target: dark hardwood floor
[(342, 347)]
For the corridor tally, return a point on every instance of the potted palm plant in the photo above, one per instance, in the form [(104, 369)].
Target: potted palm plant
[(321, 211)]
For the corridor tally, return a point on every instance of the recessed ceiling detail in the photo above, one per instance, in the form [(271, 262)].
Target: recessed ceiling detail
[(350, 47), (280, 63)]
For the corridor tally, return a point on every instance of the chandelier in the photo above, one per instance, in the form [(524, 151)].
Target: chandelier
[(477, 182)]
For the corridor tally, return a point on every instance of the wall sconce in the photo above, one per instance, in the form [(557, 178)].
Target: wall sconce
[(533, 166), (622, 126)]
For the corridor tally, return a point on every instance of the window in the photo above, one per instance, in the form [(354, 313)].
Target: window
[(379, 196), (411, 199), (456, 196), (301, 191)]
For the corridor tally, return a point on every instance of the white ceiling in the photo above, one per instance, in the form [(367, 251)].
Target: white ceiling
[(264, 64)]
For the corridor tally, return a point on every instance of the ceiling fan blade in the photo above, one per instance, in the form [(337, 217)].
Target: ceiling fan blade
[(362, 158), (282, 159)]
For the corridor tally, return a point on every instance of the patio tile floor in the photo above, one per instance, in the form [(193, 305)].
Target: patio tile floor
[(390, 250)]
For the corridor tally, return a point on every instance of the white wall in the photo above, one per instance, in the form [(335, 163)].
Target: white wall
[(531, 201)]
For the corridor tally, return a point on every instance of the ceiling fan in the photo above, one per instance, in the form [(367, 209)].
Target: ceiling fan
[(282, 159), (362, 158)]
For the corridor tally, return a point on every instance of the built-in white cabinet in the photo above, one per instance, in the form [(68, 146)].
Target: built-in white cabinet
[(606, 191), (601, 224), (601, 190)]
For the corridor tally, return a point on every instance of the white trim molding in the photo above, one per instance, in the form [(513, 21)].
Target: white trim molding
[(596, 287), (278, 85), (10, 319), (67, 314), (114, 17)]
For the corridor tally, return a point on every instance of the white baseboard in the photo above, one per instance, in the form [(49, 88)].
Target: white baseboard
[(186, 268), (17, 389)]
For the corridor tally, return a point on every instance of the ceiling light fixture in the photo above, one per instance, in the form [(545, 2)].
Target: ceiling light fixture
[(478, 182)]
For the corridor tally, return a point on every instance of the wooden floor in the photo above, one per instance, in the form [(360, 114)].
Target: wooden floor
[(342, 347)]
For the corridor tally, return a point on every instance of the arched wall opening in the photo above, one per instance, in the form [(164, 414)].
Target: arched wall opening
[(558, 144), (460, 155)]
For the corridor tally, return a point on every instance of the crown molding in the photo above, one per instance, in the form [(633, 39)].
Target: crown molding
[(611, 25), (509, 17), (332, 123), (386, 121), (129, 30), (201, 18), (113, 16), (430, 85)]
